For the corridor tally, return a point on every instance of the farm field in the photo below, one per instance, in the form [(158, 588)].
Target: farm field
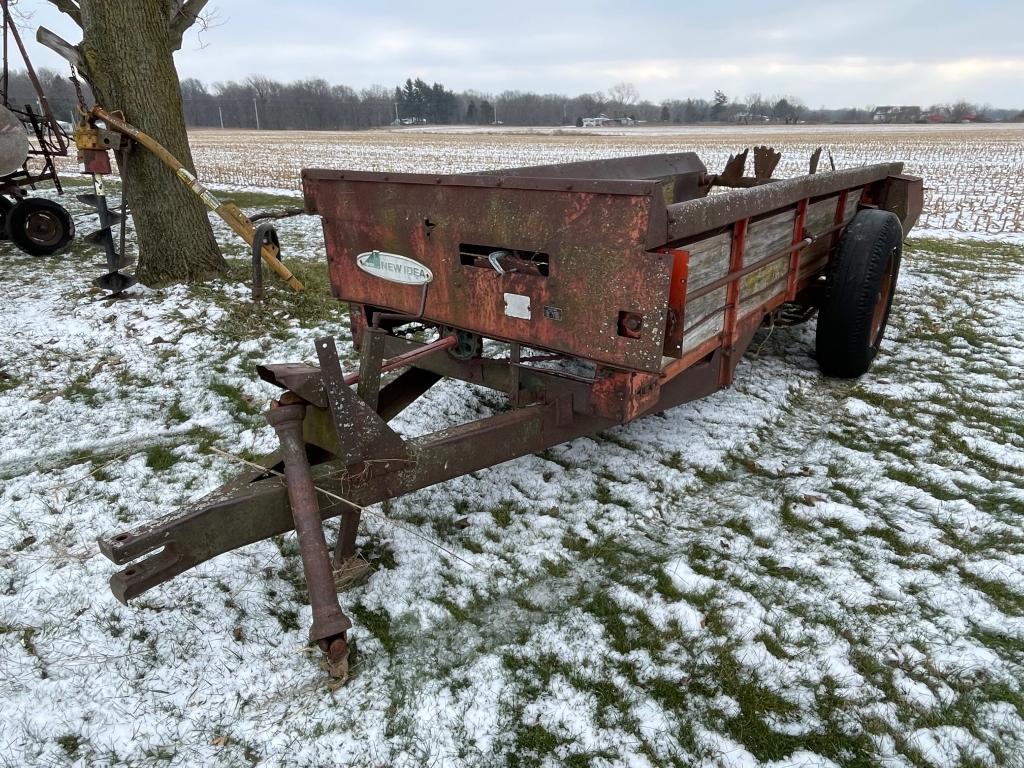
[(796, 571), (975, 173)]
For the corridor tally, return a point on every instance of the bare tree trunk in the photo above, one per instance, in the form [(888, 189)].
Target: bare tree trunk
[(127, 48)]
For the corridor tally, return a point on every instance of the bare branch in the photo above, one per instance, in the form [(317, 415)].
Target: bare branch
[(184, 16), (70, 7)]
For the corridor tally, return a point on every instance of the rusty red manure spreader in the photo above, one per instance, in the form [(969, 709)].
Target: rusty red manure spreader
[(606, 289)]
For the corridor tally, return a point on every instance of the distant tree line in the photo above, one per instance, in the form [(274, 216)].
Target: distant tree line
[(58, 88), (315, 104)]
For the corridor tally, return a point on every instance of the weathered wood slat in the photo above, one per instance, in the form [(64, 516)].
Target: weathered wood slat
[(696, 311), (709, 261), (825, 211), (766, 238)]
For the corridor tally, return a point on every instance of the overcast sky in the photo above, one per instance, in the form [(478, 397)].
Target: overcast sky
[(827, 53)]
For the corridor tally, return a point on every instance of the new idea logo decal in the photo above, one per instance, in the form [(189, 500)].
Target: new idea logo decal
[(394, 268)]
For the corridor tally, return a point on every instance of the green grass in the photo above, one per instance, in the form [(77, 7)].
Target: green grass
[(238, 402), (503, 513), (8, 381), (160, 458), (970, 250), (1002, 597), (70, 743), (377, 623), (314, 307), (176, 414), (79, 388)]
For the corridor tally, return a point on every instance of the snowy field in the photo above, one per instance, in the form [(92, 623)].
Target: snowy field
[(974, 173), (793, 572)]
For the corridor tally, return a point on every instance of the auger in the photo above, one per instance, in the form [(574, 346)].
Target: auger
[(119, 136), (97, 163)]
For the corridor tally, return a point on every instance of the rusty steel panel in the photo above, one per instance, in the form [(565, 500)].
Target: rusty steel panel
[(680, 173), (657, 166), (904, 196), (591, 240), (711, 213)]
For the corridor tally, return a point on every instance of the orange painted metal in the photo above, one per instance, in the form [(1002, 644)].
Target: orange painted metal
[(622, 395), (677, 302), (596, 237), (695, 355), (794, 257), (732, 300), (837, 221)]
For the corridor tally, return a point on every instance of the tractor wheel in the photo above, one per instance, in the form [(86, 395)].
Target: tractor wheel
[(39, 227), (858, 293)]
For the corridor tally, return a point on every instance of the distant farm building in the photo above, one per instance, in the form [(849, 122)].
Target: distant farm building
[(746, 118), (602, 120)]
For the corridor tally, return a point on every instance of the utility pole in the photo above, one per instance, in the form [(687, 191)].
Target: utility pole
[(397, 118), (220, 111), (256, 108)]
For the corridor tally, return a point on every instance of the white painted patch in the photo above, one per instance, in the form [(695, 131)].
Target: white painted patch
[(517, 305)]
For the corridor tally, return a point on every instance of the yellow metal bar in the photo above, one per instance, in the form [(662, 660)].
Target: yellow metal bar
[(227, 210)]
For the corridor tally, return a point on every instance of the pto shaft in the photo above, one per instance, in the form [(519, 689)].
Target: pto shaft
[(329, 622)]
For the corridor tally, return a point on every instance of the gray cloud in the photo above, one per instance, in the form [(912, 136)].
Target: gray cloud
[(827, 53)]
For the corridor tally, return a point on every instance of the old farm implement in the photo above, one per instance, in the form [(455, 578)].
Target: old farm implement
[(604, 291), (94, 145), (30, 140)]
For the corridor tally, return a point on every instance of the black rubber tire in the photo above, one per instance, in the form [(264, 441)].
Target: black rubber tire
[(39, 227), (5, 207), (859, 289)]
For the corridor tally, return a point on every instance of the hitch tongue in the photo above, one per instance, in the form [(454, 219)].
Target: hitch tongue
[(329, 622)]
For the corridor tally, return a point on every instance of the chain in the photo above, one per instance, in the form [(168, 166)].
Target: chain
[(78, 90)]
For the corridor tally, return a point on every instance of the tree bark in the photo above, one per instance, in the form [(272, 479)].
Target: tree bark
[(127, 48)]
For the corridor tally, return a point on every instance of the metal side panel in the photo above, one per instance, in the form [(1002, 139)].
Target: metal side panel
[(653, 166), (592, 236)]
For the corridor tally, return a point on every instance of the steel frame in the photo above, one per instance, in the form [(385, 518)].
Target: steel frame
[(50, 139)]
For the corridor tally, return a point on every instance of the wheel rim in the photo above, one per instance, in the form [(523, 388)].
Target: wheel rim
[(43, 228), (881, 312)]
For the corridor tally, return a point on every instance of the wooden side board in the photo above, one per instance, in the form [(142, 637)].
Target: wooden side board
[(704, 316)]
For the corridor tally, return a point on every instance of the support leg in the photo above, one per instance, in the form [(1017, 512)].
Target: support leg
[(345, 549), (329, 622), (372, 357)]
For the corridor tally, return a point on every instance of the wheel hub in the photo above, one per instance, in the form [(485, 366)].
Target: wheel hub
[(43, 228)]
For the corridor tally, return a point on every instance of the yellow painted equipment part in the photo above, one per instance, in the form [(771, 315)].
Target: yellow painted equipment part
[(227, 210)]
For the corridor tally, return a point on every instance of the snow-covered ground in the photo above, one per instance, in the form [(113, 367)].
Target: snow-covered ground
[(792, 572)]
